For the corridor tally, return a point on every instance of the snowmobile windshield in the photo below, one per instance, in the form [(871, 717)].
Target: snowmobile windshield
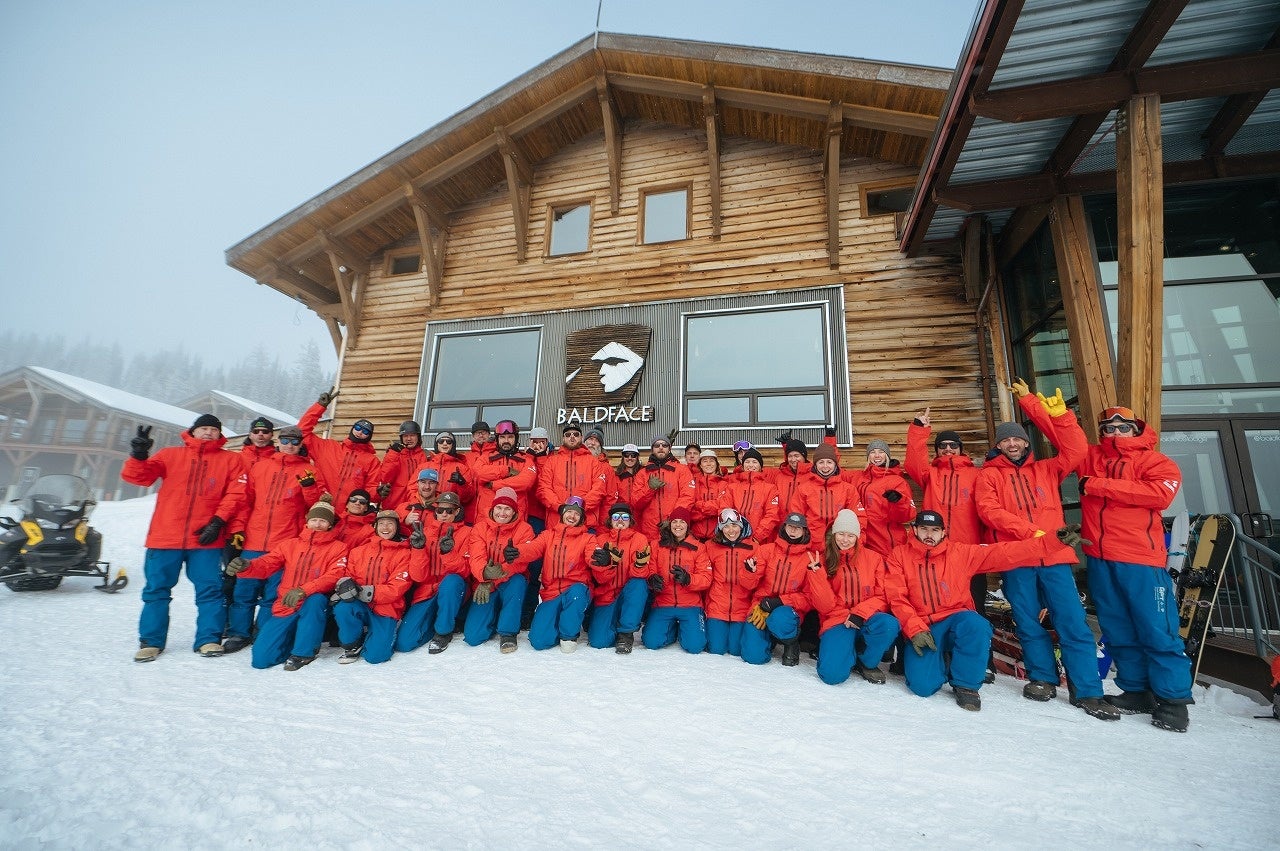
[(58, 494)]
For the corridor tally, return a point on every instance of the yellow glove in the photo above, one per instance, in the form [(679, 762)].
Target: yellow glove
[(1019, 388), (1039, 534), (757, 617), (642, 557), (1055, 404)]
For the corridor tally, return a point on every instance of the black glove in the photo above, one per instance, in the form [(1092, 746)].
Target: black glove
[(307, 478), (784, 437), (768, 604), (418, 539), (233, 547), (327, 396), (140, 446), (922, 640), (396, 446), (456, 478), (446, 541), (209, 532), (346, 589), (600, 557), (892, 497), (671, 435), (656, 583), (510, 552), (829, 431), (384, 490), (856, 622), (1083, 479), (366, 593), (1070, 535), (679, 575)]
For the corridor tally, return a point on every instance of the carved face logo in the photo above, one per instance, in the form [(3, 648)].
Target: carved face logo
[(604, 364)]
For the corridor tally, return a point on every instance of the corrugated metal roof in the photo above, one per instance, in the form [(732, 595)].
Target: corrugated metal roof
[(1066, 39)]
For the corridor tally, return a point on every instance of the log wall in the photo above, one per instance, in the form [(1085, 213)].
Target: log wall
[(910, 334)]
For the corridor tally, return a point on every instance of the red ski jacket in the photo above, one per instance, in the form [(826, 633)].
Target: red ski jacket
[(925, 585), (787, 575), (754, 496), (820, 500), (570, 472), (386, 566), (1016, 501), (607, 581), (277, 503), (355, 529), (201, 481), (733, 584), (883, 522), (345, 464), (566, 559), (251, 455), (679, 492), (788, 482), (313, 561), (1127, 487), (949, 484), (632, 489), (488, 540), (857, 586), (433, 566), (708, 494), (497, 470), (688, 554), (400, 470)]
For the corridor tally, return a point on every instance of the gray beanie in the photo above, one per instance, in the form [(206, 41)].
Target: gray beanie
[(878, 444), (1011, 430)]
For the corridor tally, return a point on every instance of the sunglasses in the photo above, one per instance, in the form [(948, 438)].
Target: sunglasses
[(444, 509), (619, 516), (661, 443), (260, 431), (1117, 428), (290, 441), (362, 430), (444, 440), (948, 444), (358, 500)]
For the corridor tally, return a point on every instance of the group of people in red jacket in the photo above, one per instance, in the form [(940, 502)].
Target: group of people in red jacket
[(403, 551)]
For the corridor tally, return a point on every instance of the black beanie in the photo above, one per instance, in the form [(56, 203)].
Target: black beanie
[(207, 420), (947, 435), (752, 453), (262, 422), (795, 446)]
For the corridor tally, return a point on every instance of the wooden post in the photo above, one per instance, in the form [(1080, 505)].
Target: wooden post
[(1082, 303), (835, 130), (1140, 232)]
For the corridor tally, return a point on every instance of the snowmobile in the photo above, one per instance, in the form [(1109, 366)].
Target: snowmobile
[(53, 539)]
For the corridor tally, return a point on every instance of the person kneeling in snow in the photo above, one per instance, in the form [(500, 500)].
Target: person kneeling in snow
[(368, 600), (439, 577), (565, 551), (498, 553), (928, 589), (312, 564), (860, 613)]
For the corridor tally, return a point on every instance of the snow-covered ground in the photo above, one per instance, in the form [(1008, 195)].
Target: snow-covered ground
[(475, 749)]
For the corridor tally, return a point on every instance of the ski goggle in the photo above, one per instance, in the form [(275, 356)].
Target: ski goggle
[(290, 441), (362, 429), (619, 515)]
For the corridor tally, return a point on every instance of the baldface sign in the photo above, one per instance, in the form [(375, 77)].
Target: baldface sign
[(603, 368)]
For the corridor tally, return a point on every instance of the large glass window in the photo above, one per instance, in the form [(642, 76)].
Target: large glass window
[(757, 367), (489, 376)]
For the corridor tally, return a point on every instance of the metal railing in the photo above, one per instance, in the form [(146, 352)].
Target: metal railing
[(1246, 617)]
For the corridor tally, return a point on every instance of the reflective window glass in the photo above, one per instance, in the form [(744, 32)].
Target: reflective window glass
[(787, 409), (1264, 455), (1204, 482), (666, 216), (719, 410), (476, 374), (570, 230)]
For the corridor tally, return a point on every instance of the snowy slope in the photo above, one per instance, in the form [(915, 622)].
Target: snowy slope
[(474, 749)]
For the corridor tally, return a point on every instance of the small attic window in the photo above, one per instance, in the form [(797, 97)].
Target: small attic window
[(666, 215), (569, 229), (404, 264), (884, 198)]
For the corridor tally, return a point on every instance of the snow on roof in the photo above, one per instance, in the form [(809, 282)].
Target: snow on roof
[(280, 418), (121, 400)]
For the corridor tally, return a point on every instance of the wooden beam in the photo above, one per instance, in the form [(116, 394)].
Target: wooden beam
[(971, 253), (711, 118), (835, 130), (1082, 303), (434, 212), (1178, 81), (335, 333), (1140, 247), (342, 278), (433, 234), (612, 141), (519, 176), (1233, 114), (305, 288), (551, 110), (791, 106), (1022, 225), (348, 255)]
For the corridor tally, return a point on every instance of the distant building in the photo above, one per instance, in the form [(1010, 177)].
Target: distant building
[(236, 412)]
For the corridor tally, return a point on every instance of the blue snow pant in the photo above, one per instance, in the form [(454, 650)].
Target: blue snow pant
[(559, 619), (297, 634), (724, 637), (1026, 588), (622, 615), (354, 619), (967, 637), (249, 593), (783, 624), (500, 614), (531, 573), (837, 647), (666, 623), (433, 616), (161, 569), (1138, 612)]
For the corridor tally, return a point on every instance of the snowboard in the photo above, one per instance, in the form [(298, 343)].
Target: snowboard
[(1197, 586)]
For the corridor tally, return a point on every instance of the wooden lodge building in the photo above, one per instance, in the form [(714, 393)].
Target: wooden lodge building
[(729, 241)]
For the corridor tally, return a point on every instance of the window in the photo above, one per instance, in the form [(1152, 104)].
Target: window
[(758, 367), (491, 375), (886, 197), (665, 216), (404, 264), (570, 230)]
